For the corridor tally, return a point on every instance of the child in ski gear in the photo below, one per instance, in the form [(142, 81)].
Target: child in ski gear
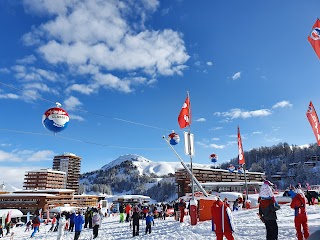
[(36, 224), (78, 221), (298, 203), (61, 228), (222, 222), (267, 210), (149, 220), (235, 205), (53, 223), (96, 224), (135, 221)]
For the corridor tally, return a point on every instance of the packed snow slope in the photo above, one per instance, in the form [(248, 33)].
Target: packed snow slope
[(248, 227), (148, 167)]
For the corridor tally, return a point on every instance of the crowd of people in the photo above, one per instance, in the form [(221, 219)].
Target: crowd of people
[(221, 215)]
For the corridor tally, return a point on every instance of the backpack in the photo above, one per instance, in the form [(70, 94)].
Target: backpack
[(35, 220)]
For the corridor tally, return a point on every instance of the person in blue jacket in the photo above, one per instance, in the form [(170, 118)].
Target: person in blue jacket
[(78, 221), (149, 220)]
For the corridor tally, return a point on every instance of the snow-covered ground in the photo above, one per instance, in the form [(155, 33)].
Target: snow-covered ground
[(249, 227)]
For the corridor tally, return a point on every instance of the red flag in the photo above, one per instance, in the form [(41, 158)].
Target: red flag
[(314, 121), (184, 118), (240, 149), (314, 37)]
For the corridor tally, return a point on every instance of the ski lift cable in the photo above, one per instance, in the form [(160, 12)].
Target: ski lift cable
[(92, 113), (78, 140)]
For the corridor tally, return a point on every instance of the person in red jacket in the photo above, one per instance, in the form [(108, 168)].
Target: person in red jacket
[(298, 203), (222, 223), (128, 211), (182, 207)]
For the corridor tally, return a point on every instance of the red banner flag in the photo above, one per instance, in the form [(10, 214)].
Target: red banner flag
[(314, 121), (240, 149), (314, 37), (184, 118)]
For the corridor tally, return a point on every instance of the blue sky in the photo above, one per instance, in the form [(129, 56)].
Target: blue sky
[(122, 71)]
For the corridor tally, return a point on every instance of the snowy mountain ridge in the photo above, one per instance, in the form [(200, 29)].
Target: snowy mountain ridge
[(148, 167)]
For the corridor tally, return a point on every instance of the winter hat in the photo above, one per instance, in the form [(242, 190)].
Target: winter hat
[(265, 191), (299, 191)]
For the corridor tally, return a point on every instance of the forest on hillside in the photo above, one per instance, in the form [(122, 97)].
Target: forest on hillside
[(294, 163)]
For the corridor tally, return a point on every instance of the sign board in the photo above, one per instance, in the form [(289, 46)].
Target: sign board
[(188, 143)]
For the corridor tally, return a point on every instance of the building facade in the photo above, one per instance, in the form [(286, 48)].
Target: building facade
[(70, 164), (207, 175), (44, 179)]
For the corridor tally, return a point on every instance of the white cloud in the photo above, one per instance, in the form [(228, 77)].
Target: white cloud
[(217, 146), (27, 60), (44, 155), (256, 132), (26, 155), (97, 37), (9, 96), (209, 63), (236, 76), (4, 70), (282, 104), (200, 120), (215, 139), (76, 117), (72, 103), (216, 128), (239, 113)]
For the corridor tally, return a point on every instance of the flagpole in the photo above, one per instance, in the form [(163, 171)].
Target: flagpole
[(189, 141), (245, 181)]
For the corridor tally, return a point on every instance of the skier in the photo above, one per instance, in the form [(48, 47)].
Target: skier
[(267, 210), (128, 210), (182, 207), (149, 220), (72, 217), (298, 203), (78, 221), (61, 228), (35, 223), (222, 222), (135, 221), (96, 224), (53, 222), (121, 210)]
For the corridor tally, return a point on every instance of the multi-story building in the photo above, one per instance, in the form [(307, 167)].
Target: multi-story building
[(70, 164), (205, 176), (44, 179)]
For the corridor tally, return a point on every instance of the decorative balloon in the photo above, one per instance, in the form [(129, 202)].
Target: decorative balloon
[(240, 170), (231, 168), (174, 138), (55, 119), (214, 157)]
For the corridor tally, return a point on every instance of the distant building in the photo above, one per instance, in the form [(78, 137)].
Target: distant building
[(70, 164), (44, 179), (205, 176)]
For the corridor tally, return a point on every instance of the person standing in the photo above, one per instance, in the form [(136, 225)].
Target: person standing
[(78, 221), (182, 207), (267, 210), (53, 222), (1, 231), (298, 203), (222, 222), (149, 221), (61, 228), (164, 210), (36, 224), (96, 224), (72, 217), (128, 211), (121, 211), (135, 221)]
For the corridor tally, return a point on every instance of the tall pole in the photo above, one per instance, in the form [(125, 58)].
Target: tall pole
[(245, 181), (189, 141)]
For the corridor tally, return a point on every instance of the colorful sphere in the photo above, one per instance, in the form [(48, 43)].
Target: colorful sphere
[(55, 119), (214, 157), (174, 138), (231, 168)]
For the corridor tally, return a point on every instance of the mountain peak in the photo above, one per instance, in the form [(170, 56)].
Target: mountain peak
[(126, 157)]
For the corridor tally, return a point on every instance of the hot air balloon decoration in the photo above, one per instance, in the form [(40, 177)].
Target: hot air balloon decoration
[(55, 119), (231, 168), (174, 138), (214, 157), (240, 170)]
